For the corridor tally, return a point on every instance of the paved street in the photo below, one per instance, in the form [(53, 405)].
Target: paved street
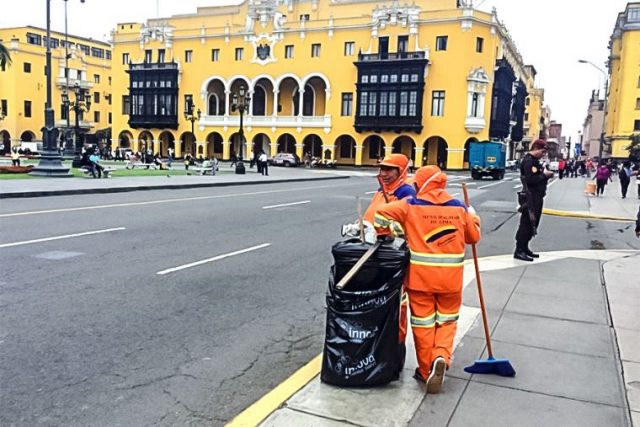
[(187, 306)]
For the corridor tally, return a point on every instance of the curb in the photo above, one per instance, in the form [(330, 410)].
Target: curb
[(577, 214), (46, 193)]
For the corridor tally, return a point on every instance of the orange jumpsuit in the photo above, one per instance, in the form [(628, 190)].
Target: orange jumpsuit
[(437, 227), (397, 190)]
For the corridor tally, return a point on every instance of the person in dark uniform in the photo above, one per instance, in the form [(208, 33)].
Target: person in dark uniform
[(534, 179)]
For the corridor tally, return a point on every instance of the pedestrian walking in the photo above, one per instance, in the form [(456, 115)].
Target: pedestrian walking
[(437, 227), (169, 156), (603, 175), (234, 159), (263, 163), (534, 182), (638, 224), (561, 167), (625, 178)]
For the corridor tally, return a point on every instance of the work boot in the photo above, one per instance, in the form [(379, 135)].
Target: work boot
[(418, 377), (522, 255), (436, 377)]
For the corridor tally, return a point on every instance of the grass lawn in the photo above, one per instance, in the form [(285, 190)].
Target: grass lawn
[(77, 173)]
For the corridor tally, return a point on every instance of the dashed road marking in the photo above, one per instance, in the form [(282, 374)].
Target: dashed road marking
[(66, 236), (216, 258), (303, 202)]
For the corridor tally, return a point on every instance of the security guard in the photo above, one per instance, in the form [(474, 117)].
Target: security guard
[(437, 227), (534, 179)]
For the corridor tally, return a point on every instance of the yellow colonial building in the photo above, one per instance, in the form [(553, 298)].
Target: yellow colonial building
[(348, 80), (623, 109), (23, 89)]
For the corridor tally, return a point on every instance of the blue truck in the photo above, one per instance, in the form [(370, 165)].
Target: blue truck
[(487, 158)]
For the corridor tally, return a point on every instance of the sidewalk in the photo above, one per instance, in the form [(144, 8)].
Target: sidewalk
[(574, 341), (37, 187)]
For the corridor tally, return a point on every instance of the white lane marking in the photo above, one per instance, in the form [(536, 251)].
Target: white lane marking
[(490, 185), (183, 199), (287, 204), (552, 182), (371, 192), (455, 194), (67, 236), (216, 258), (517, 186)]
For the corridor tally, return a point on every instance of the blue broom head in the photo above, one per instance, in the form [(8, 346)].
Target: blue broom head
[(500, 367)]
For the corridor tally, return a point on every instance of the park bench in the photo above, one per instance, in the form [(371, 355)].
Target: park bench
[(106, 171), (133, 165), (203, 170)]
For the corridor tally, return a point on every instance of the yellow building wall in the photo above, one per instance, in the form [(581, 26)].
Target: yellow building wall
[(214, 28), (623, 93), (17, 86)]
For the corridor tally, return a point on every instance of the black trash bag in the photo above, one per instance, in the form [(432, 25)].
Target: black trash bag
[(361, 344)]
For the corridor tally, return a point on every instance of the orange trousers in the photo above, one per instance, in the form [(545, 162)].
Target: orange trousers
[(434, 319), (404, 302)]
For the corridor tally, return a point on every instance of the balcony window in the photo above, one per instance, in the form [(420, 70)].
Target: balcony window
[(633, 15), (97, 52), (384, 78), (404, 78), (109, 118), (239, 53), (215, 55), (373, 78), (636, 124), (288, 51), (125, 59), (108, 54), (96, 116), (315, 50), (35, 39), (441, 42), (637, 103), (479, 44), (96, 78), (304, 17), (84, 48), (126, 105), (96, 97), (372, 104), (413, 101), (384, 96), (437, 103), (4, 108), (414, 78), (26, 67), (347, 104), (188, 55), (160, 56), (349, 48), (364, 78), (364, 96), (404, 101), (148, 56), (403, 45), (475, 98), (392, 103), (393, 78)]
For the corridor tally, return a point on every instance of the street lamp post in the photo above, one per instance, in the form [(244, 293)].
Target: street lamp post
[(190, 116), (241, 100), (50, 160), (81, 104), (604, 109)]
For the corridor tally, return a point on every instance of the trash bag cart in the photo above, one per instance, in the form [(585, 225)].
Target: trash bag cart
[(361, 345)]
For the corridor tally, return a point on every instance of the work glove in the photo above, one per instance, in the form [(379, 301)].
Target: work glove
[(471, 210)]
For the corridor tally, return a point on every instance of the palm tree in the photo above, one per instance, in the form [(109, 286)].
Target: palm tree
[(5, 57)]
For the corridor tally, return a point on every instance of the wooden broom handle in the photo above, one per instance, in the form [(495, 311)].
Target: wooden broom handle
[(480, 293)]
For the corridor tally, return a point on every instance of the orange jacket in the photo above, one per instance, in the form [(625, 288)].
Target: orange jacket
[(397, 190), (437, 227)]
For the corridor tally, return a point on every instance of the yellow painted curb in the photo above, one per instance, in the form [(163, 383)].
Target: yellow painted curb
[(259, 411), (575, 214)]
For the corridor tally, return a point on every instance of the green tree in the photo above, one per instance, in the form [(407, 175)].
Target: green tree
[(634, 147), (5, 57)]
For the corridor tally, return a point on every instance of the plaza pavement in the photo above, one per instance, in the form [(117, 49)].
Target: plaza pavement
[(568, 323)]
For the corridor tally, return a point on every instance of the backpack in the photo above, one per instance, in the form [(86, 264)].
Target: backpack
[(622, 174)]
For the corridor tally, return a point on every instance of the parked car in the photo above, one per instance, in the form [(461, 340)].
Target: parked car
[(285, 159)]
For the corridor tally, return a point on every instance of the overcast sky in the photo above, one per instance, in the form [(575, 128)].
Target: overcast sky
[(550, 34)]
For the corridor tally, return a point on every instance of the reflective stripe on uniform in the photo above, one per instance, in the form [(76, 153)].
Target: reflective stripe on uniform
[(437, 260), (423, 322), (446, 317), (380, 221)]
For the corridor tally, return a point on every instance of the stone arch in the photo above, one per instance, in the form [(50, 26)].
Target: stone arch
[(261, 142), (465, 157), (345, 149), (320, 76), (373, 148), (188, 143), (124, 139), (145, 141), (233, 82), (405, 145), (321, 94), (214, 145), (259, 101), (286, 90), (237, 145), (285, 76), (208, 81), (5, 140), (27, 136), (308, 103), (435, 152), (267, 84), (167, 140), (286, 143), (215, 97), (312, 144)]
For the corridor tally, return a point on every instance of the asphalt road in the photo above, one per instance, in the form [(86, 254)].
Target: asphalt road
[(91, 334)]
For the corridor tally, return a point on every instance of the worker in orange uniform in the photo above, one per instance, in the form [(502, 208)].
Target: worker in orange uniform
[(393, 186), (437, 227)]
